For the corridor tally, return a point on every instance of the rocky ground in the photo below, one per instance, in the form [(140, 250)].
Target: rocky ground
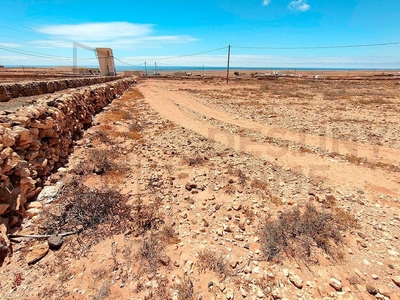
[(201, 190)]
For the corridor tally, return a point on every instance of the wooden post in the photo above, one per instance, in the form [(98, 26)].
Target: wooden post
[(227, 69)]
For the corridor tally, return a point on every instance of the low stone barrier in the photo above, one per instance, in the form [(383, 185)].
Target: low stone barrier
[(36, 140), (10, 91)]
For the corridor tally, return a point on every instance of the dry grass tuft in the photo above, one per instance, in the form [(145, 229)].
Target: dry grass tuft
[(101, 161), (249, 213), (299, 234), (260, 185), (209, 260), (185, 289), (151, 252), (160, 292), (195, 161)]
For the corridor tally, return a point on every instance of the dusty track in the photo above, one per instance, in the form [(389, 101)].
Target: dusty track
[(177, 106)]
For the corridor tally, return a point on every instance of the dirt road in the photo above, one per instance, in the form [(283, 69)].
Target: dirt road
[(182, 108)]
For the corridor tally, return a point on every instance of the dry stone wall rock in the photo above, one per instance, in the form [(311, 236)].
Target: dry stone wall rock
[(10, 91), (36, 140)]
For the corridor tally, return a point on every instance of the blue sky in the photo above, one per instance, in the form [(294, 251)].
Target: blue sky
[(157, 31)]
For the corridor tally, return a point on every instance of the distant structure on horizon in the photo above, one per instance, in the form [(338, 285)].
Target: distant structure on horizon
[(86, 71), (106, 61)]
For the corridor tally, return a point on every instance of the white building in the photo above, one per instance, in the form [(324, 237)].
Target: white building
[(106, 61)]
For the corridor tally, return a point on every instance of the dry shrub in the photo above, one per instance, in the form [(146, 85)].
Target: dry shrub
[(242, 178), (248, 213), (146, 216), (299, 234), (160, 292), (342, 218), (98, 213), (259, 184), (155, 182), (151, 252), (209, 260), (229, 189), (102, 136), (195, 161), (100, 161), (135, 126), (185, 289), (263, 188), (168, 235), (104, 291), (103, 159)]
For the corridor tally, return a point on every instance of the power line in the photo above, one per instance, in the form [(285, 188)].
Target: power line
[(128, 64), (318, 47), (35, 54), (179, 56)]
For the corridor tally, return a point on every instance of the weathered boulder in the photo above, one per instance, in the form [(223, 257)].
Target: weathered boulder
[(37, 252)]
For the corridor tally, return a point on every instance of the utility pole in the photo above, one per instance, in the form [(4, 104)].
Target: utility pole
[(229, 59)]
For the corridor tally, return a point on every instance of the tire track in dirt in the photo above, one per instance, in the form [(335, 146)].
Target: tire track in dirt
[(374, 182), (374, 153)]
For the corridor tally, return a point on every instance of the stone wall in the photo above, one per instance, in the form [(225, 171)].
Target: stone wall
[(36, 140), (10, 91)]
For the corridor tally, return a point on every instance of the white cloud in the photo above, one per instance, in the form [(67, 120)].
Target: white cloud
[(299, 5), (9, 45), (97, 31), (117, 35), (266, 2)]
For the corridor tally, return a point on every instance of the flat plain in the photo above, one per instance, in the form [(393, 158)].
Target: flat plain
[(198, 189)]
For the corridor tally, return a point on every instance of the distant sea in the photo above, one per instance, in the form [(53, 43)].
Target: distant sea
[(205, 68), (153, 69)]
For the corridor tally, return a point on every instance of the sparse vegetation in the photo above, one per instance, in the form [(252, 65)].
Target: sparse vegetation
[(209, 260), (185, 289), (195, 161), (101, 161), (161, 292), (298, 233), (96, 213), (151, 252), (146, 216)]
